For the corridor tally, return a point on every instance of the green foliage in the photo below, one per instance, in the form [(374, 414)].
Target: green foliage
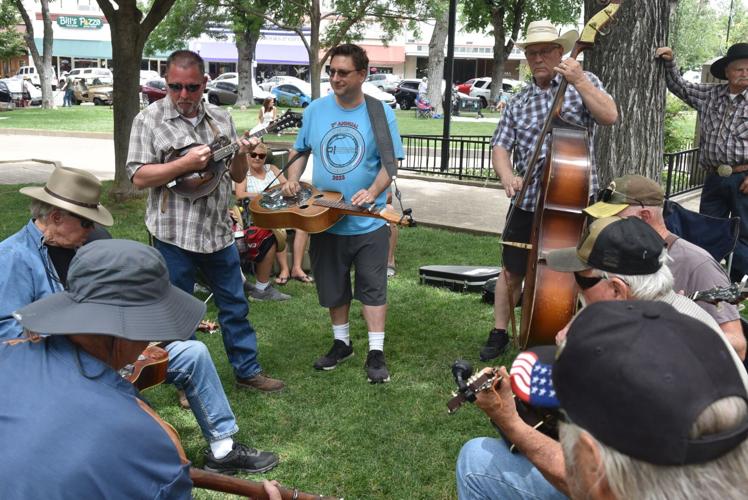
[(335, 433), (478, 14), (679, 125), (11, 41), (696, 35), (186, 19)]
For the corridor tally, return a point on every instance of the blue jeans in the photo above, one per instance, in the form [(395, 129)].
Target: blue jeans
[(721, 197), (191, 369), (486, 469), (221, 270)]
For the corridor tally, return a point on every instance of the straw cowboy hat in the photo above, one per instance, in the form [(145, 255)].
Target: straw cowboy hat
[(544, 32), (74, 190), (735, 52)]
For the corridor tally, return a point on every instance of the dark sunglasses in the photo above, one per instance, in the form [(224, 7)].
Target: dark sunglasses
[(261, 156), (340, 72), (610, 195), (585, 283), (191, 87), (85, 223)]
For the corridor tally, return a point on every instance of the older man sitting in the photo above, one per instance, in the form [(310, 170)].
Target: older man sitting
[(36, 261), (616, 260)]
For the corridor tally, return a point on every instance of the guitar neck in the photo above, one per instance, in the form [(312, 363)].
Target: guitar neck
[(347, 208)]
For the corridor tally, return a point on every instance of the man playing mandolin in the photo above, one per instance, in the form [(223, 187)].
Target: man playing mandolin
[(338, 130), (196, 235), (585, 103)]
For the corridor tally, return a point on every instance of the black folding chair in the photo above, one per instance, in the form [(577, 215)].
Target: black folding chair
[(716, 235)]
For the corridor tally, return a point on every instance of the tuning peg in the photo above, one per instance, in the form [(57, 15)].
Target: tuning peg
[(604, 31)]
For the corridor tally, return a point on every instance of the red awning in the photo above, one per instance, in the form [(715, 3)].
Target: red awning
[(384, 55)]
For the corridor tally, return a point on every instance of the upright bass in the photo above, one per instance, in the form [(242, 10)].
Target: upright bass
[(549, 298)]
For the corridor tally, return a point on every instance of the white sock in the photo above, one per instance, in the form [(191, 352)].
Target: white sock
[(222, 447), (261, 286), (342, 332), (376, 341)]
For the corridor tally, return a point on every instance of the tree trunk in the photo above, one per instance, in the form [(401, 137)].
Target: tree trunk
[(499, 36), (315, 65), (625, 63), (435, 70), (246, 43), (127, 51), (43, 61)]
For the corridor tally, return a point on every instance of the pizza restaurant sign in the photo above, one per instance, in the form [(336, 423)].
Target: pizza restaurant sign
[(80, 22)]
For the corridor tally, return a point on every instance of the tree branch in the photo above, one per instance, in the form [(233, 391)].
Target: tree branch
[(158, 11)]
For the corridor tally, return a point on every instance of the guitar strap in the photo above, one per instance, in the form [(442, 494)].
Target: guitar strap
[(385, 147)]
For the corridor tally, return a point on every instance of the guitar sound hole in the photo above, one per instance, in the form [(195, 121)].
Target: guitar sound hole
[(318, 195), (303, 206)]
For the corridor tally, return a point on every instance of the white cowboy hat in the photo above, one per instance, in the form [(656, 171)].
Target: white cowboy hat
[(544, 32), (74, 190)]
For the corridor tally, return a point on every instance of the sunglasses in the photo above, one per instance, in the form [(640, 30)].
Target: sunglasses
[(610, 195), (340, 72), (191, 87), (585, 283), (261, 156), (85, 223)]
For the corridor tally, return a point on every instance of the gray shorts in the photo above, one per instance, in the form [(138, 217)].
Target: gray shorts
[(332, 257)]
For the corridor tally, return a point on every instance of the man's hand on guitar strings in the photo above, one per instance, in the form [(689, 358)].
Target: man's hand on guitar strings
[(363, 198), (498, 402), (290, 188), (247, 144)]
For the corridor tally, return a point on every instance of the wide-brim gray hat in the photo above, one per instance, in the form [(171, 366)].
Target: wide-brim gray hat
[(74, 190), (119, 288)]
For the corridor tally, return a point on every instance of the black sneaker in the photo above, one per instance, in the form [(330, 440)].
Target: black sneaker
[(337, 354), (495, 345), (376, 368), (241, 459)]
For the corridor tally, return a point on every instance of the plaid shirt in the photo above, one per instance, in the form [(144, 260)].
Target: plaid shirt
[(523, 121), (723, 121), (203, 226)]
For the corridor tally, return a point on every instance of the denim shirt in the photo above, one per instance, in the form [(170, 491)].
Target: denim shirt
[(26, 275), (74, 429)]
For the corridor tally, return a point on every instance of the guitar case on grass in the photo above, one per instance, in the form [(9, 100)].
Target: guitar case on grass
[(458, 278)]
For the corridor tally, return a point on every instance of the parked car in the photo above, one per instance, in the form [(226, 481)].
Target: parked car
[(376, 93), (6, 98), (293, 94), (102, 73), (23, 92), (147, 75), (154, 89), (226, 91), (92, 89), (482, 88), (465, 87), (273, 82), (29, 73), (386, 82), (407, 91)]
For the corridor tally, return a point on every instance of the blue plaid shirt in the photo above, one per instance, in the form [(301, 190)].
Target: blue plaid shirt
[(523, 120), (724, 121)]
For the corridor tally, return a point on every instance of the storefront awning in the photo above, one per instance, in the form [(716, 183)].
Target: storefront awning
[(87, 49), (384, 55), (264, 54)]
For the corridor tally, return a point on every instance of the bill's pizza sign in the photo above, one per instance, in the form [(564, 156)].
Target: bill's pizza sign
[(80, 22)]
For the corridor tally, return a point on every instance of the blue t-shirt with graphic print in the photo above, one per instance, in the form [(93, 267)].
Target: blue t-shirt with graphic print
[(346, 158)]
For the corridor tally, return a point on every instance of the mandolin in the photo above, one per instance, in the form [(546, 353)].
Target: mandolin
[(149, 370), (733, 294), (310, 210), (195, 185)]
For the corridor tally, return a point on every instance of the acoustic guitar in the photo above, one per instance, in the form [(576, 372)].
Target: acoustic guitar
[(149, 370), (195, 185), (310, 210)]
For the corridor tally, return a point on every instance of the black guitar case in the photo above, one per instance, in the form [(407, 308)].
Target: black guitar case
[(458, 278)]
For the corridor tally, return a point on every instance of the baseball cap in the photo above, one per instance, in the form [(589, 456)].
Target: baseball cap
[(614, 244), (638, 374), (531, 376), (625, 191)]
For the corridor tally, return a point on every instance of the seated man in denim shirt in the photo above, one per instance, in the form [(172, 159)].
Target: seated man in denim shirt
[(36, 264)]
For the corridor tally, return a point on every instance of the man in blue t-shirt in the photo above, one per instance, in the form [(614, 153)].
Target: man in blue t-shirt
[(338, 131)]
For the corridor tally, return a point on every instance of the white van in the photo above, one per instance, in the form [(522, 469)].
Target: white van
[(29, 73)]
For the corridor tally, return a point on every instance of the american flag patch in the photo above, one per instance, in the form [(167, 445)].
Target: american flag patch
[(531, 377)]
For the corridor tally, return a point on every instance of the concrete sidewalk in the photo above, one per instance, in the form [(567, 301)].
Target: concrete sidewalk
[(29, 158)]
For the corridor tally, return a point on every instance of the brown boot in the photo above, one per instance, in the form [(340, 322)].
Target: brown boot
[(261, 383)]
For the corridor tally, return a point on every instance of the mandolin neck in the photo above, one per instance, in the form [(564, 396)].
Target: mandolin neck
[(226, 151)]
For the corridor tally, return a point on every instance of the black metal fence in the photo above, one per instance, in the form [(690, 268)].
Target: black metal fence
[(469, 155), (470, 158), (682, 172)]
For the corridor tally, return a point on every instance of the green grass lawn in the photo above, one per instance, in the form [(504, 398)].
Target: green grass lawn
[(100, 119), (335, 433)]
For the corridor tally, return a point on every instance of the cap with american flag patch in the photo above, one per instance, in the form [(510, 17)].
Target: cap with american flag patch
[(531, 377)]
